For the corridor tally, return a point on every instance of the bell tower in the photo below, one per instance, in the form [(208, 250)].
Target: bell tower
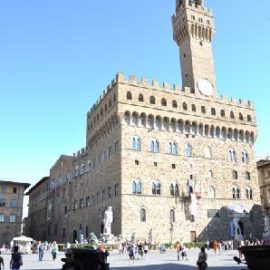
[(193, 31)]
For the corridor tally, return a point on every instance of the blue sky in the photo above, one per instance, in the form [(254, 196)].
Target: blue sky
[(56, 57)]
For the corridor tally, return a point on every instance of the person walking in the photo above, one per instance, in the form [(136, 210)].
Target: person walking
[(54, 250), (184, 253), (1, 261), (201, 262), (145, 249), (16, 259), (41, 249), (178, 250)]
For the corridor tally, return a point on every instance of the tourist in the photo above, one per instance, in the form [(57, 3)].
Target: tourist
[(1, 261), (201, 262), (54, 250), (16, 259), (41, 249), (145, 249), (178, 250), (184, 253)]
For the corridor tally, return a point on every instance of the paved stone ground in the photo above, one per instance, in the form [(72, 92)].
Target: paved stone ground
[(154, 261)]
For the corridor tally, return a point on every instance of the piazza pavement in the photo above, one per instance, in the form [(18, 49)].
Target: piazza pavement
[(154, 261)]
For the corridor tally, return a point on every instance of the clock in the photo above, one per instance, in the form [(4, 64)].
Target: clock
[(205, 87)]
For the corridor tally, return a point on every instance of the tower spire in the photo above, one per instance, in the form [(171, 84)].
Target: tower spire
[(193, 31)]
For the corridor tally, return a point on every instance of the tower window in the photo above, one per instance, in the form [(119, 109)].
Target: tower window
[(152, 100), (141, 98), (185, 55), (193, 108), (186, 75), (129, 96), (174, 104), (193, 17), (185, 106), (164, 102), (213, 111), (222, 113), (203, 109)]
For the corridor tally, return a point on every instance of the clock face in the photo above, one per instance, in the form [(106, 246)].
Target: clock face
[(205, 87)]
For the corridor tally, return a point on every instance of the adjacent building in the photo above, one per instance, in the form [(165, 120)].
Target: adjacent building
[(11, 209), (263, 166), (172, 162)]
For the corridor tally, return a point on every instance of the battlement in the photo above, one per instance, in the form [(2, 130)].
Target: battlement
[(82, 152)]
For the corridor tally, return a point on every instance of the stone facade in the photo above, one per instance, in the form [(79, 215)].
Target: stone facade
[(172, 162), (11, 207), (264, 183)]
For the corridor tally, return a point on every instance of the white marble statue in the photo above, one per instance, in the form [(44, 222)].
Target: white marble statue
[(107, 221)]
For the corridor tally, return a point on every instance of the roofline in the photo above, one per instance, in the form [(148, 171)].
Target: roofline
[(26, 185), (44, 179)]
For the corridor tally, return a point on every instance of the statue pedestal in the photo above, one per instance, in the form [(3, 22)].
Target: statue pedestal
[(108, 238)]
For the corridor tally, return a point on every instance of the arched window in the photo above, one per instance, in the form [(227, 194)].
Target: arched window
[(172, 216), (136, 187), (222, 113), (174, 104), (193, 107), (247, 175), (232, 115), (164, 102), (152, 100), (141, 98), (172, 148), (249, 194), (211, 193), (210, 174), (241, 118), (232, 155), (236, 193), (129, 96), (245, 158), (248, 118), (207, 152), (174, 190), (188, 150), (154, 146), (234, 174), (213, 111), (142, 215), (156, 188), (185, 106), (136, 143)]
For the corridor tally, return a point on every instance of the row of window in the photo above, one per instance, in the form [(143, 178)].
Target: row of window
[(4, 203), (103, 110), (90, 165), (184, 106), (136, 189), (99, 197), (187, 127), (5, 189), (154, 147), (12, 218)]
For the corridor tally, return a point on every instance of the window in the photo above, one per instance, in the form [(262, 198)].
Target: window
[(116, 190), (141, 98), (116, 146), (142, 215), (245, 158), (241, 118), (14, 190), (210, 174), (172, 216), (173, 166), (232, 115), (249, 193), (4, 189), (247, 175), (248, 118), (222, 113), (137, 162), (136, 187), (65, 210), (154, 146), (185, 106), (213, 111), (234, 174), (155, 164), (211, 193), (174, 190), (152, 100), (174, 104), (12, 218), (193, 108), (203, 110), (156, 188), (188, 150), (232, 155), (136, 143), (164, 102), (129, 96), (172, 148), (236, 193), (2, 218), (207, 152), (3, 202), (13, 203)]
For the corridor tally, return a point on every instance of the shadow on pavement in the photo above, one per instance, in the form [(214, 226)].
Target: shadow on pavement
[(172, 266)]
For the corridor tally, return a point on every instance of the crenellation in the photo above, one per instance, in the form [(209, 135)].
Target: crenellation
[(155, 83), (133, 79), (144, 81), (166, 86)]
